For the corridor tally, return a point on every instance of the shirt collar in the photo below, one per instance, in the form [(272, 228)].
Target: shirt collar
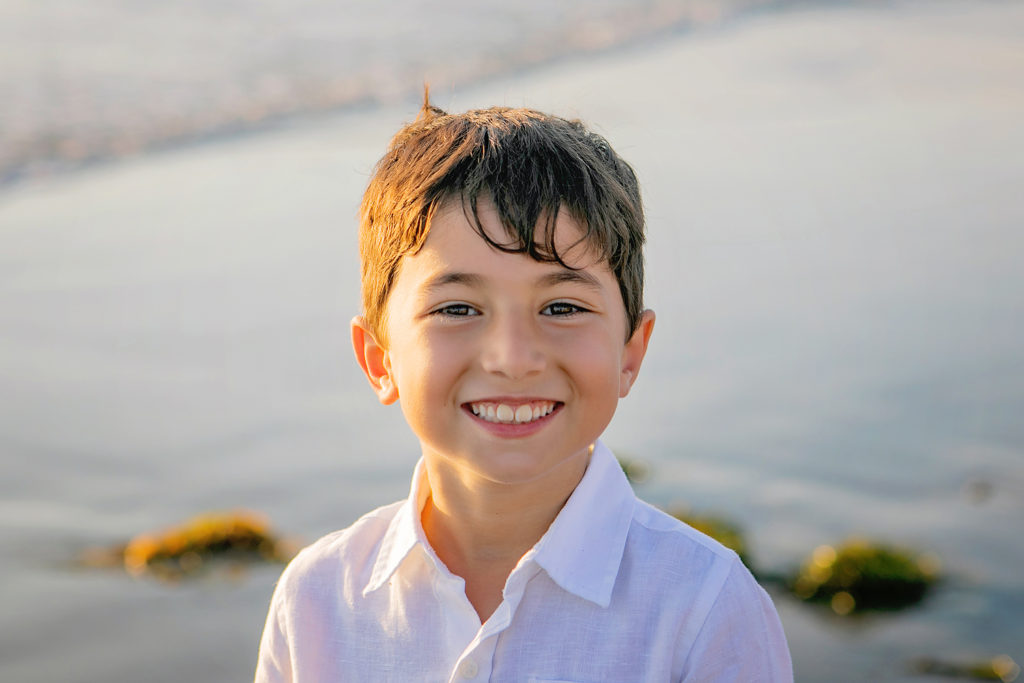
[(583, 547), (581, 550), (403, 533)]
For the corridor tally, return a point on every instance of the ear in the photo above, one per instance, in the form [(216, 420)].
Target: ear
[(634, 351), (373, 359)]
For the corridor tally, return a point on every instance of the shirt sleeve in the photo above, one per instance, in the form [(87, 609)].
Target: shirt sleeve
[(741, 639), (274, 662)]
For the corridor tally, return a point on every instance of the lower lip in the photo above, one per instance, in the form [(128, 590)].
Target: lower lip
[(514, 430)]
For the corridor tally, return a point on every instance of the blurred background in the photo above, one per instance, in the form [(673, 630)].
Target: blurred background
[(834, 212)]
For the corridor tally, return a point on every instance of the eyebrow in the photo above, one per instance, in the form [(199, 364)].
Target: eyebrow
[(579, 277), (453, 278), (566, 275)]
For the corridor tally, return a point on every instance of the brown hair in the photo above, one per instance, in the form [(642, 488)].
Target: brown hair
[(530, 164)]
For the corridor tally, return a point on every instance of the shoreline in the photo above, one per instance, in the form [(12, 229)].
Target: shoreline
[(299, 99)]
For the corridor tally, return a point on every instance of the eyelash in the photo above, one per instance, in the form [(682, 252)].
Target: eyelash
[(448, 311), (569, 310), (558, 309)]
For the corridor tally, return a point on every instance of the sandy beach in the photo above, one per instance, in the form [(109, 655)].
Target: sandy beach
[(834, 206)]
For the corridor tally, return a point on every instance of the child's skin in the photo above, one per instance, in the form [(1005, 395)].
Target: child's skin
[(469, 328)]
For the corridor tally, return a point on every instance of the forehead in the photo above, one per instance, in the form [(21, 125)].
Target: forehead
[(455, 230), (455, 254)]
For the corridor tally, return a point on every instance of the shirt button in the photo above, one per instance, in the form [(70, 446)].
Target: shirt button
[(468, 668)]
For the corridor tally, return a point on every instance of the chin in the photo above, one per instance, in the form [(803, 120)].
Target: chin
[(513, 468)]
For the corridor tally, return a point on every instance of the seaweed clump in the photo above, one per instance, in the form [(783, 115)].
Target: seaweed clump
[(1001, 668), (185, 549), (859, 576)]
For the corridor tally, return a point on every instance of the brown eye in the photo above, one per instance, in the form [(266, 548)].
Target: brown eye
[(457, 310), (562, 309)]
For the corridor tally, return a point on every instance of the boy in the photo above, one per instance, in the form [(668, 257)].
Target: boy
[(502, 292)]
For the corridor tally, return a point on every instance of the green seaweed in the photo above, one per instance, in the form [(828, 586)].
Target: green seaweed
[(860, 575), (999, 668), (185, 549)]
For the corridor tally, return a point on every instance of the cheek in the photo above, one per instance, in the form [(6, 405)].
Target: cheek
[(426, 364), (597, 362)]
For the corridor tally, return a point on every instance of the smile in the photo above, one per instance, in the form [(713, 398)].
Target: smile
[(502, 413)]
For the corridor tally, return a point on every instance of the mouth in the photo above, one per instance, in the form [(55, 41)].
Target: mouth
[(500, 412)]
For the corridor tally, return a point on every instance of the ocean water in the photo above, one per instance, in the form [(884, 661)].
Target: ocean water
[(834, 210), (88, 81)]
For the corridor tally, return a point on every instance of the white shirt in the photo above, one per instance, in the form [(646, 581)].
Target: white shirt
[(616, 590)]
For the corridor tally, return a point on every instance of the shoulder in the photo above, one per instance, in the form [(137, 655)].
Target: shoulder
[(728, 620), (684, 564), (689, 556), (741, 637), (664, 538), (338, 558), (315, 594)]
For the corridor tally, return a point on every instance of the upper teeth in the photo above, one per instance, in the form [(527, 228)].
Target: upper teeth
[(502, 412)]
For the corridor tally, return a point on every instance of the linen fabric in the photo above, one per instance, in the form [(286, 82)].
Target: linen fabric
[(616, 590)]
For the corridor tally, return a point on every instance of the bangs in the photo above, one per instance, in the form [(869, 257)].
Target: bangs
[(531, 175)]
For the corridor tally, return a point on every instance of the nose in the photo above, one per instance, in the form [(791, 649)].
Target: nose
[(513, 347)]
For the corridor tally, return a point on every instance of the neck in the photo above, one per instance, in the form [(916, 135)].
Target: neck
[(481, 529)]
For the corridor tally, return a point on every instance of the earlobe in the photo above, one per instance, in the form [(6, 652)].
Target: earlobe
[(634, 351), (373, 359)]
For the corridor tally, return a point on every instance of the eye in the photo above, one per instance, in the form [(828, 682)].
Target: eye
[(456, 310), (562, 309)]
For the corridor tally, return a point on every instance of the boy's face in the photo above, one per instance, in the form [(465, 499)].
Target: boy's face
[(505, 367)]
